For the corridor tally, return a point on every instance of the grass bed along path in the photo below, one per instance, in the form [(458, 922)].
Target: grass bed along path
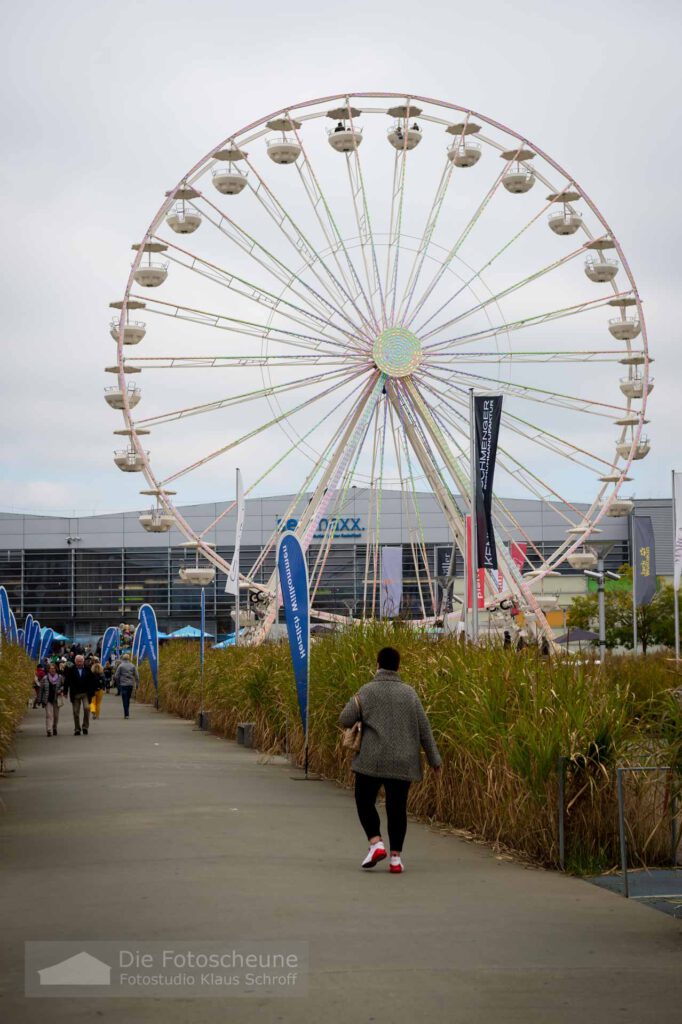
[(16, 686), (501, 719)]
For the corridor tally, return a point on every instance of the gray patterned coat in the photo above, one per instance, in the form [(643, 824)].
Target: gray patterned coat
[(394, 729)]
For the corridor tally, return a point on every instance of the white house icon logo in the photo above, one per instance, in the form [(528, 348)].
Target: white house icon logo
[(80, 969)]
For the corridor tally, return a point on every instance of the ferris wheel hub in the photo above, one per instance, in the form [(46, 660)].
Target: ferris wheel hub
[(397, 352)]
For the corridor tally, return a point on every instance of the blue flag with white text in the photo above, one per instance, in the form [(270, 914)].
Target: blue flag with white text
[(46, 641), (33, 646), (5, 613), (293, 575), (109, 641), (28, 632), (149, 642)]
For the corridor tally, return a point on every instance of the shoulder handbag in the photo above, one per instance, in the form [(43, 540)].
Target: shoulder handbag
[(352, 737)]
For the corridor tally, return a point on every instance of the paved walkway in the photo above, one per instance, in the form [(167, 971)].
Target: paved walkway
[(149, 830)]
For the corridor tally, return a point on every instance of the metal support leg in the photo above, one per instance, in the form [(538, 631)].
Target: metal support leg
[(621, 829)]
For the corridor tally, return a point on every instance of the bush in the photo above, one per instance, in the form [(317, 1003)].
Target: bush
[(501, 720)]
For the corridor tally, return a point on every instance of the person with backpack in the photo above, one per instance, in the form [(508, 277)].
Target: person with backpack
[(394, 729)]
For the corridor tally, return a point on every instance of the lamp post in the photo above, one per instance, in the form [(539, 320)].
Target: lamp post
[(601, 549)]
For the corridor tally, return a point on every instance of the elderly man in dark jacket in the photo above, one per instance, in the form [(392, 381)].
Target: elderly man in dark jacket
[(80, 686)]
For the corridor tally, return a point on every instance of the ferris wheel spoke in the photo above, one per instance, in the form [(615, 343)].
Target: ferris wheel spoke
[(243, 328), (516, 325), (349, 275), (444, 265), (427, 235), (249, 244), (486, 266), (364, 223), (247, 396), (298, 240), (494, 299), (371, 508), (543, 438), (461, 431), (445, 360), (294, 447), (539, 487), (242, 362), (417, 538), (395, 226), (339, 505), (352, 437), (508, 568), (249, 290), (542, 396), (255, 432)]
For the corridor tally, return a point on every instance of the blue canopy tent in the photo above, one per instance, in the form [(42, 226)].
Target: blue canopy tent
[(227, 642), (58, 637), (188, 633)]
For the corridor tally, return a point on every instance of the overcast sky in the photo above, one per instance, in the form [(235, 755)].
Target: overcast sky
[(105, 104)]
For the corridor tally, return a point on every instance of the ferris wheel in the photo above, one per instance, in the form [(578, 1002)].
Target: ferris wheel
[(318, 295)]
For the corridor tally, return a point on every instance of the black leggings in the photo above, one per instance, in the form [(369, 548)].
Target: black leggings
[(366, 792)]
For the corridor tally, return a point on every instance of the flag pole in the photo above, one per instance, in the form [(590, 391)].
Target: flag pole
[(473, 568), (634, 582), (236, 555), (676, 593), (202, 723)]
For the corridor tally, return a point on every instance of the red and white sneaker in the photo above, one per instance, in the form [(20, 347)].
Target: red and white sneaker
[(395, 865), (376, 852)]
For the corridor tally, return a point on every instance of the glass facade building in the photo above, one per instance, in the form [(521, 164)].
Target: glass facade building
[(81, 575)]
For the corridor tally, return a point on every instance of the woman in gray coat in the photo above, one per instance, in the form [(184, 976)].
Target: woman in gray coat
[(394, 730)]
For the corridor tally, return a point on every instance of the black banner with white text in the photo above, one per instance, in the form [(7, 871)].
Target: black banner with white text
[(487, 413)]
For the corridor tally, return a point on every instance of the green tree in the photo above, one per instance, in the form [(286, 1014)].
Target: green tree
[(655, 621)]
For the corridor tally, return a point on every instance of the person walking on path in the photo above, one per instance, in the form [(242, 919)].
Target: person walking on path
[(98, 677), (51, 697), (394, 729), (79, 685), (126, 678)]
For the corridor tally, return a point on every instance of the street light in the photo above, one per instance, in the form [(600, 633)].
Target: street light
[(601, 549)]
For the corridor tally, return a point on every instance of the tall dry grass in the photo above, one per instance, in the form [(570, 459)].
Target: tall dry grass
[(16, 686), (502, 721)]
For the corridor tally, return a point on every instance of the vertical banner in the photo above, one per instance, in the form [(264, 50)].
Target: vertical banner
[(677, 528), (644, 580), (293, 575), (518, 551), (137, 640), (28, 631), (391, 592), (46, 641), (487, 413), (109, 642), (232, 582), (149, 644), (202, 639), (480, 573), (13, 631), (33, 647), (5, 620)]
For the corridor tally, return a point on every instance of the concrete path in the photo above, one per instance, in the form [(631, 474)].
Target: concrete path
[(150, 830)]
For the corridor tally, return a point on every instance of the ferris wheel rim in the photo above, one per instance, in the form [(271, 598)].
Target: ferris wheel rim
[(149, 474)]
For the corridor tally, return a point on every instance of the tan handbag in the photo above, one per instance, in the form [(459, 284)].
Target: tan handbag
[(352, 737)]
